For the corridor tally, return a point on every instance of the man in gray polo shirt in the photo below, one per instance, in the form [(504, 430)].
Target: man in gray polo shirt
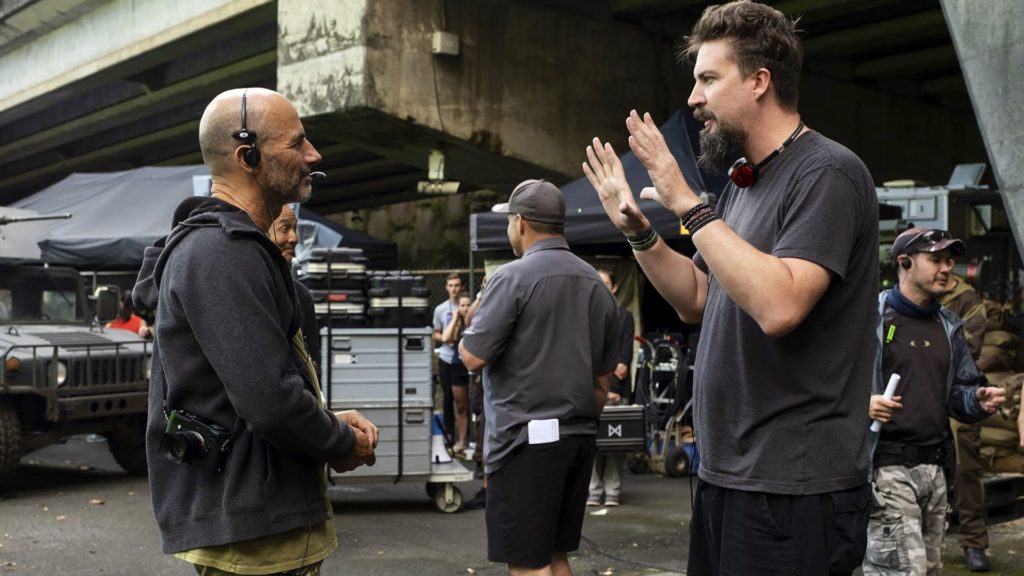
[(544, 332)]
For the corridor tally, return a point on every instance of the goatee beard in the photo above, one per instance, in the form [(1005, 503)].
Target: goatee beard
[(720, 149)]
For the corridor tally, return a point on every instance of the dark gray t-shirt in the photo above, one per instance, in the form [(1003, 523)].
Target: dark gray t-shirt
[(788, 415), (546, 326)]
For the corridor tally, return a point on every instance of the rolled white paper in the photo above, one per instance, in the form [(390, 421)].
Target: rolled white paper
[(890, 389)]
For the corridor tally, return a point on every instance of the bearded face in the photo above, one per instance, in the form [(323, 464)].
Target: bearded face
[(720, 145)]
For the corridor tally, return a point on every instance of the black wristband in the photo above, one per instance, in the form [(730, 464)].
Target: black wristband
[(643, 240)]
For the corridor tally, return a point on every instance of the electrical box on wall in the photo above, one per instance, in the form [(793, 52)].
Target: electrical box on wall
[(445, 44)]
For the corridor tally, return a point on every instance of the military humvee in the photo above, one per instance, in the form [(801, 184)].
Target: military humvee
[(61, 372)]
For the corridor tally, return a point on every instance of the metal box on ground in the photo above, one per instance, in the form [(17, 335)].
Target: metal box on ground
[(622, 429), (361, 366)]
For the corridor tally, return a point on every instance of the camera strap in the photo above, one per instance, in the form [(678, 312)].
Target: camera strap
[(302, 361)]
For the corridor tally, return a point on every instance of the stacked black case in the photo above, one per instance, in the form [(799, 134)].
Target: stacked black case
[(397, 299), (336, 278)]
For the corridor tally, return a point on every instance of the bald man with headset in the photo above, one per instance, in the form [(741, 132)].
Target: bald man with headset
[(238, 434)]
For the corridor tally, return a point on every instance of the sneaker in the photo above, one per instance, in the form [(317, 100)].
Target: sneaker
[(610, 500), (477, 501), (594, 501)]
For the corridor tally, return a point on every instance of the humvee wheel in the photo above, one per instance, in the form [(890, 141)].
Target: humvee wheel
[(128, 446), (10, 444)]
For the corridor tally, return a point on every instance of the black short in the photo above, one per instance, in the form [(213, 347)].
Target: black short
[(453, 374), (536, 501), (739, 533)]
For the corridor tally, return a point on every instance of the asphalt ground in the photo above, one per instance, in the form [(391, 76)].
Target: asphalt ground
[(74, 512)]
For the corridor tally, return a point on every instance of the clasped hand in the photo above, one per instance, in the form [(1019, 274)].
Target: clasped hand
[(366, 441)]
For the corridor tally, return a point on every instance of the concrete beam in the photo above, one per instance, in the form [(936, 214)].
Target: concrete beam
[(153, 103), (879, 35), (990, 45), (920, 60), (116, 152), (105, 39)]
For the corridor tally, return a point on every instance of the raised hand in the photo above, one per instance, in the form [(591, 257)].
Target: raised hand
[(670, 188), (604, 171)]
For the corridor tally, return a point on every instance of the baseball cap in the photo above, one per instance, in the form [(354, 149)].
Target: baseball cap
[(926, 240), (537, 201)]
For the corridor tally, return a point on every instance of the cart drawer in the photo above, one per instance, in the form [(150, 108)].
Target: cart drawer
[(415, 445)]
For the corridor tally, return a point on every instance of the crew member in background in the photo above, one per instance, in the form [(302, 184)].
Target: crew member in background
[(606, 480), (450, 370), (127, 319), (451, 335), (924, 344), (968, 480), (545, 332), (285, 233)]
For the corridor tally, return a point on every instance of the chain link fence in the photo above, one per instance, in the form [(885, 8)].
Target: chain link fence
[(436, 278)]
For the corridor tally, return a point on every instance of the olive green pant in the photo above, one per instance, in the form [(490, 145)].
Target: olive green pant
[(310, 570)]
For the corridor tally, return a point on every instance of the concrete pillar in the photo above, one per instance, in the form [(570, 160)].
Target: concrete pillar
[(989, 43), (527, 91)]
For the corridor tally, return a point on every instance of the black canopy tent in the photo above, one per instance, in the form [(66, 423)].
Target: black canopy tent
[(587, 227), (116, 215)]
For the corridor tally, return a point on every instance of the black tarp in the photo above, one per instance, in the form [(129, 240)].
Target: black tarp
[(587, 227), (116, 215)]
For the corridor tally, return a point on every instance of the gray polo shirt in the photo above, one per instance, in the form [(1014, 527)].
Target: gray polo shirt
[(442, 317), (546, 327)]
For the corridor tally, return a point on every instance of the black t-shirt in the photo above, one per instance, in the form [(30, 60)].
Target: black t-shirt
[(919, 353), (788, 415)]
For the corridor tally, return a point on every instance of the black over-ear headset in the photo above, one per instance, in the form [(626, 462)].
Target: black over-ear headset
[(744, 174), (251, 156)]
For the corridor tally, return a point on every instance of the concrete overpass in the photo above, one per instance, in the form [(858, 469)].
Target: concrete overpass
[(101, 85)]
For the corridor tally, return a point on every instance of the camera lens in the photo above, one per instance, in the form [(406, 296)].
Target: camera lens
[(184, 446)]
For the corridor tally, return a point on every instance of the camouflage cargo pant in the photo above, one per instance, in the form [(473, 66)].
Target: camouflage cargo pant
[(310, 570), (905, 534)]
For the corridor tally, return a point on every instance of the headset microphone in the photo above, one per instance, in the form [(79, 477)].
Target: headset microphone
[(318, 175)]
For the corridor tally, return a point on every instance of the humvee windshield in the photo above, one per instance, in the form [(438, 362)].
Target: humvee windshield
[(40, 295)]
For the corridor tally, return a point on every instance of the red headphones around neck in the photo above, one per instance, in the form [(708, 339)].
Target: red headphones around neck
[(744, 174)]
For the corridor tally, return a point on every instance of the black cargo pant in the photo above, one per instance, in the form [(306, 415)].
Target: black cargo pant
[(736, 533), (968, 487)]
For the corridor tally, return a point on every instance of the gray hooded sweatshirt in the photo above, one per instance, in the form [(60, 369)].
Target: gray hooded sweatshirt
[(226, 313)]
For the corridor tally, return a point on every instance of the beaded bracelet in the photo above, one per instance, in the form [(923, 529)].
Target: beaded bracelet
[(698, 217), (643, 240), (694, 227)]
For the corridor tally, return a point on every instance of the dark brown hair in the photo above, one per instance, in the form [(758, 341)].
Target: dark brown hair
[(761, 37)]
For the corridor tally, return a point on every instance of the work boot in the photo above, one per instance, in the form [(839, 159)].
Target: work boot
[(976, 560), (477, 501)]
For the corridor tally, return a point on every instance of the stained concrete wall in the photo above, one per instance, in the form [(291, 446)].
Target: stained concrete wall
[(528, 84), (989, 43)]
